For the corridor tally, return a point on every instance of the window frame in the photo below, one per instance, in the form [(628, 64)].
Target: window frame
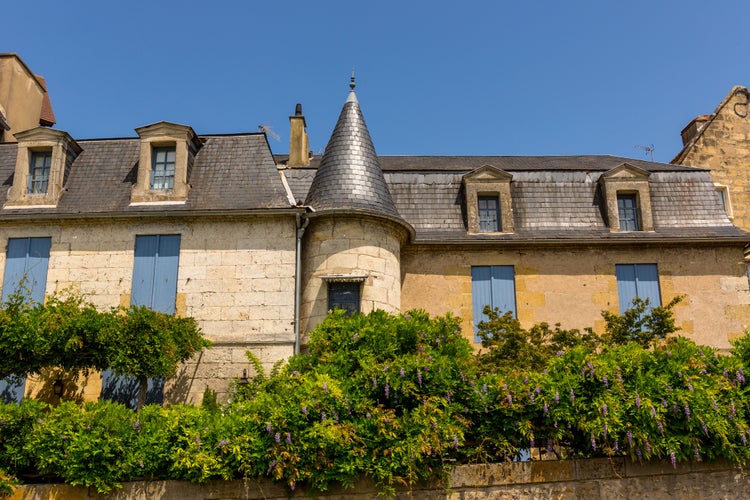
[(163, 172), (38, 181), (345, 287), (628, 217), (485, 222)]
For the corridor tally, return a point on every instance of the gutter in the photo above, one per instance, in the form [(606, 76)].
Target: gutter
[(301, 222)]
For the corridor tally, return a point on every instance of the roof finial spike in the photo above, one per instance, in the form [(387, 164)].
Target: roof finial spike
[(351, 83)]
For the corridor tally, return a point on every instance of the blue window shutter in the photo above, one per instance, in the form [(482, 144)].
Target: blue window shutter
[(493, 286), (647, 283), (504, 289), (165, 274), (481, 293), (12, 389), (637, 280), (626, 289), (154, 286), (36, 267), (15, 266), (143, 270)]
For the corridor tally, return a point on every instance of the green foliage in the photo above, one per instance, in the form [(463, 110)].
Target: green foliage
[(640, 324), (397, 398), (69, 333), (510, 347)]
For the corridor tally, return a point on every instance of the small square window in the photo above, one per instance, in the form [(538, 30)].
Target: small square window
[(162, 167), (39, 172), (488, 213), (344, 295), (627, 208)]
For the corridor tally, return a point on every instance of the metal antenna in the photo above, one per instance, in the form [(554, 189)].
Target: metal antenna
[(648, 149)]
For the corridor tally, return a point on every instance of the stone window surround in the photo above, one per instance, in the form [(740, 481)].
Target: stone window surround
[(345, 278), (488, 181), (164, 134), (627, 179), (724, 190), (40, 139)]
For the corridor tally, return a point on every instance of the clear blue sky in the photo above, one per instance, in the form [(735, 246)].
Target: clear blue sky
[(433, 77)]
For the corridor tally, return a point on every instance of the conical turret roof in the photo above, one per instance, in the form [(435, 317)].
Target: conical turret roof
[(349, 176)]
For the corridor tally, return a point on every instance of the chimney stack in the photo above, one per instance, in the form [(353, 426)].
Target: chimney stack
[(298, 141), (693, 128)]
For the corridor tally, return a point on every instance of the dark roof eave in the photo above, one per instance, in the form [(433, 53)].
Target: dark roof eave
[(149, 213), (584, 241)]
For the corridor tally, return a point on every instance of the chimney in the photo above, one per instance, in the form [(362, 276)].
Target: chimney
[(693, 128), (298, 142)]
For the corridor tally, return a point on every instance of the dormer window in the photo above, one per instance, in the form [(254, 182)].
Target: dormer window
[(627, 210), (39, 168), (43, 159), (488, 204), (626, 191), (166, 159), (489, 214), (162, 167)]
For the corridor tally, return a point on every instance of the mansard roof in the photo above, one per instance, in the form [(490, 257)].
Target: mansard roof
[(230, 173), (349, 176), (554, 199)]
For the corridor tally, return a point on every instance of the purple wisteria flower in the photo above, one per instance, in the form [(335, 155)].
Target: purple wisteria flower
[(355, 337), (387, 390), (653, 413), (289, 438), (484, 388), (419, 378), (705, 428), (697, 454), (325, 387), (639, 454), (648, 447), (593, 442), (374, 381), (616, 446), (272, 465), (448, 396), (136, 425), (673, 459), (304, 410), (222, 443), (714, 405), (604, 409), (323, 415), (385, 368), (526, 380), (660, 426), (292, 485), (740, 376), (268, 428), (402, 372), (531, 397), (572, 396), (546, 409), (367, 415), (277, 437), (557, 397), (605, 430), (538, 390), (743, 438), (455, 441), (510, 399), (637, 400), (605, 381), (629, 435), (687, 410)]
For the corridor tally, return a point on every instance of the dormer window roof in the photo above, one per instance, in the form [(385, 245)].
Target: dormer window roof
[(165, 161), (489, 208), (42, 163), (628, 198)]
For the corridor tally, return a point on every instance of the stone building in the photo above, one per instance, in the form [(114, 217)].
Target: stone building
[(721, 142), (258, 248)]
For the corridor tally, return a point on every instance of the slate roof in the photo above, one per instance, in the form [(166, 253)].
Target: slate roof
[(230, 173), (554, 198), (349, 176)]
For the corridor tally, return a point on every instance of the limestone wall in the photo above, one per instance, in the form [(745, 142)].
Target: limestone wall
[(724, 147), (351, 245), (591, 479), (235, 276), (571, 286)]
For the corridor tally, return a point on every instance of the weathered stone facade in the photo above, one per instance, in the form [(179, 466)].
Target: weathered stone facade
[(721, 143), (572, 285), (235, 277)]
